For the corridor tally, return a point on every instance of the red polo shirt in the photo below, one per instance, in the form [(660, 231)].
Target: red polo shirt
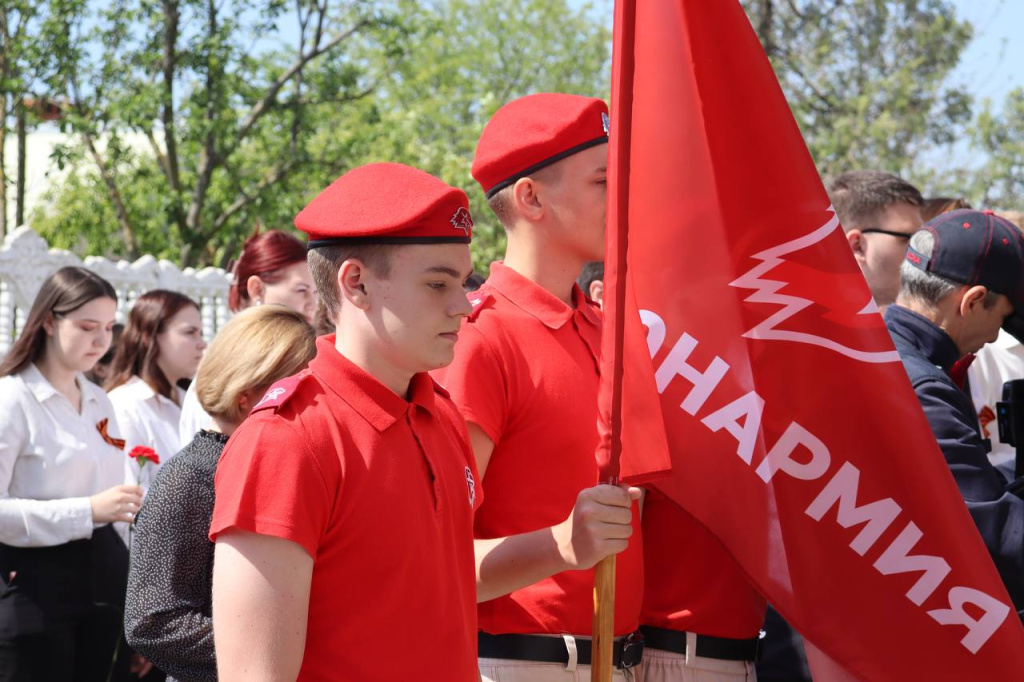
[(381, 493), (691, 583), (526, 372)]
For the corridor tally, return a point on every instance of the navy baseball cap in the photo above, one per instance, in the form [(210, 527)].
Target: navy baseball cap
[(978, 247)]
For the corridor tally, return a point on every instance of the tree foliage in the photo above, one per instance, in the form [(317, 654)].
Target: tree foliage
[(1000, 135), (212, 95), (216, 117), (191, 121), (868, 80)]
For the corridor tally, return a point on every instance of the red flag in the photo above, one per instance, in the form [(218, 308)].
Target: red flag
[(793, 432)]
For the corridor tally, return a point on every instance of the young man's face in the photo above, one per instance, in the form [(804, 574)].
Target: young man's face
[(417, 309), (880, 255), (577, 199)]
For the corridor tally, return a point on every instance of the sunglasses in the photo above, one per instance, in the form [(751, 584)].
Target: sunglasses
[(891, 233)]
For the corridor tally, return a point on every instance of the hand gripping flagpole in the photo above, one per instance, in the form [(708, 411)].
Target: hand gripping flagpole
[(610, 398)]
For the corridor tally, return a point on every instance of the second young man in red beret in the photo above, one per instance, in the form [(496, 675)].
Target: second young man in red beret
[(525, 377), (344, 511)]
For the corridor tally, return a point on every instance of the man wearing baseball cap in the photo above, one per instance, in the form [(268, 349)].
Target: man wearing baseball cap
[(525, 377), (344, 514), (963, 279)]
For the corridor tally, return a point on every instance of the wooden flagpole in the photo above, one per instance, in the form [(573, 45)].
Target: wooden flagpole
[(615, 265)]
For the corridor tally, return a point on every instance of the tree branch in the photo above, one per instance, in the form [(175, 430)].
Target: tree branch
[(114, 194), (169, 66), (270, 97), (275, 175), (208, 159)]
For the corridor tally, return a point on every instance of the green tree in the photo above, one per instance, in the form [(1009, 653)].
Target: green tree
[(999, 181), (868, 80), (416, 90), (220, 121), (22, 62), (469, 58)]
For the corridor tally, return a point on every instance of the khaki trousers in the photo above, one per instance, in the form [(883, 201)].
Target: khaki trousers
[(666, 666), (502, 670), (505, 670)]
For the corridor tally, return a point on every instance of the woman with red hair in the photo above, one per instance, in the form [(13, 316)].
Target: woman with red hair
[(271, 269)]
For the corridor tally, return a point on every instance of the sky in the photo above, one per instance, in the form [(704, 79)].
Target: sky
[(993, 63)]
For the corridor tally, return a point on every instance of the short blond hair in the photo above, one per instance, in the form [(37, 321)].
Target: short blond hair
[(258, 347)]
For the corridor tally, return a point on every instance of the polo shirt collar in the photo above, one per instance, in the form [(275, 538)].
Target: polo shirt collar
[(43, 390), (538, 301), (363, 392)]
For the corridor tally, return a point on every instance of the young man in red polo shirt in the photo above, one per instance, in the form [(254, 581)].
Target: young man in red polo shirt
[(344, 511), (525, 377)]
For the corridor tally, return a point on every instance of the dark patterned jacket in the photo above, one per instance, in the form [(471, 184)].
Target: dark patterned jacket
[(168, 610)]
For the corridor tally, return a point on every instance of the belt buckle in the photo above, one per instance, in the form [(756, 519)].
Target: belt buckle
[(632, 650)]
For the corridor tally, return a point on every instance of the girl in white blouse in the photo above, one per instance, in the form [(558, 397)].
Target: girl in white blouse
[(161, 345), (63, 569)]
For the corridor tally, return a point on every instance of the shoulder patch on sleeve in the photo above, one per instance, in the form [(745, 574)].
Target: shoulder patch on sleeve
[(279, 393)]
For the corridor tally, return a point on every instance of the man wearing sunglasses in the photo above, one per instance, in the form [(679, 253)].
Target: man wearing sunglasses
[(879, 213)]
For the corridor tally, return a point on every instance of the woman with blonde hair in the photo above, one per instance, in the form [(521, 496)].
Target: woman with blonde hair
[(168, 612)]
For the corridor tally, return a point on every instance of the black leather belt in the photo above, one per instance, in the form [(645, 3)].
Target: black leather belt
[(722, 648), (626, 652)]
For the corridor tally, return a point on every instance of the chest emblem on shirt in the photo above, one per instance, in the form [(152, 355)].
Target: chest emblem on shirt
[(471, 483), (272, 394)]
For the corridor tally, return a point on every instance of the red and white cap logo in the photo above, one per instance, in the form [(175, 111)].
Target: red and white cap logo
[(462, 220)]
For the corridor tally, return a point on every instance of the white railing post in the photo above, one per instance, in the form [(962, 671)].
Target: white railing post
[(26, 261)]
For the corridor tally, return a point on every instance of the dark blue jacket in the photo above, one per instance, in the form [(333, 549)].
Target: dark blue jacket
[(928, 353)]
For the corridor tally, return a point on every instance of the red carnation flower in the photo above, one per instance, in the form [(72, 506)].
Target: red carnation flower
[(143, 454)]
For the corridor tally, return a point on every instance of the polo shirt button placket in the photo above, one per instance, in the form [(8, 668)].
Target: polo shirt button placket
[(435, 483)]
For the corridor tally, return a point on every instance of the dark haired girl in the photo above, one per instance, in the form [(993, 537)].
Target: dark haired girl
[(63, 568), (161, 345)]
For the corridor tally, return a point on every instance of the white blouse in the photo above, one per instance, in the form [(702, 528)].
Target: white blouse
[(52, 459), (193, 417), (146, 418)]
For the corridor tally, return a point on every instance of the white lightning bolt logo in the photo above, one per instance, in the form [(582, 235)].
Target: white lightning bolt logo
[(766, 291)]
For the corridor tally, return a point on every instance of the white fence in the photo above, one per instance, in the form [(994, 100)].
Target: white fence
[(26, 260)]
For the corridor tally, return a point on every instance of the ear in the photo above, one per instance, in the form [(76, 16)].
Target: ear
[(254, 287), (248, 399), (973, 297), (353, 277), (858, 245), (49, 324), (525, 194), (596, 290)]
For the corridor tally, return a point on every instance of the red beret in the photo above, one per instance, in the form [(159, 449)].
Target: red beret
[(535, 131), (387, 203)]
